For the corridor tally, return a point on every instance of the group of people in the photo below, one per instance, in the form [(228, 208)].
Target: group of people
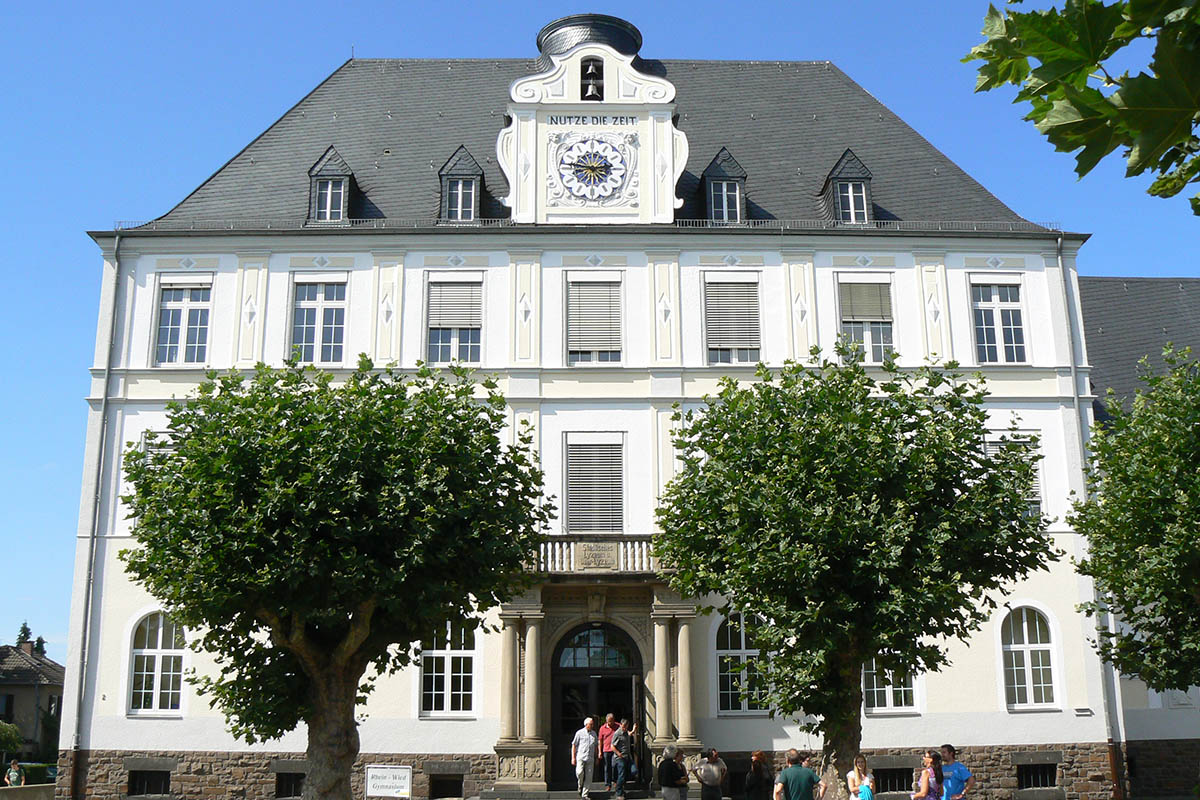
[(612, 747)]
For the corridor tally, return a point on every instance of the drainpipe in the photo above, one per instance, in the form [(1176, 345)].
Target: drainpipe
[(1111, 721), (76, 778)]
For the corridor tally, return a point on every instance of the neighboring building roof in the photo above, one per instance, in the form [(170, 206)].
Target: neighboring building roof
[(395, 122), (1126, 319), (18, 668)]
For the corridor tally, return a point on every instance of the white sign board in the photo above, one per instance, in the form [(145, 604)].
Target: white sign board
[(388, 781)]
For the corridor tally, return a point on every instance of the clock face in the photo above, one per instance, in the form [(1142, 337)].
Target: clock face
[(592, 169)]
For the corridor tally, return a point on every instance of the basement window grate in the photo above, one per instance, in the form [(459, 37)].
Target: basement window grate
[(1037, 776)]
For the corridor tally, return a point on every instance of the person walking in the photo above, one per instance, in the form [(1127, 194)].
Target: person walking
[(760, 780), (622, 744), (857, 776), (929, 786), (711, 772), (797, 781), (959, 779), (14, 776), (606, 752), (672, 777), (585, 749)]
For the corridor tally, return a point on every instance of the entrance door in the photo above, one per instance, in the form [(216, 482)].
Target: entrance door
[(596, 671)]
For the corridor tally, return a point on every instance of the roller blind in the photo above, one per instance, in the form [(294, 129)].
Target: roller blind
[(455, 305), (1035, 491), (731, 314), (594, 315), (595, 491), (865, 301)]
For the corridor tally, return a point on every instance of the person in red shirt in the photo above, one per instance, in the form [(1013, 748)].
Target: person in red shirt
[(606, 750)]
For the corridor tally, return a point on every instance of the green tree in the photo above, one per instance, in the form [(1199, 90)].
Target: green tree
[(24, 634), (848, 518), (307, 532), (1063, 62), (11, 740), (1141, 520), (39, 646)]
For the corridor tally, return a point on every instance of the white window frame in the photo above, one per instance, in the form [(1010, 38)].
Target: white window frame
[(322, 279), (726, 211), (737, 355), (1056, 659), (158, 653), (889, 687), (326, 210), (593, 276), (608, 438), (855, 194), (745, 655), (869, 335), (464, 209), (448, 654), (432, 277), (997, 326), (186, 282)]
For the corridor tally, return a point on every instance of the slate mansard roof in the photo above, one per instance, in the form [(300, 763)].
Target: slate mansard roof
[(396, 122)]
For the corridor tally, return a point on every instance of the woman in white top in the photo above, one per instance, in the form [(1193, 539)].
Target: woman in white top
[(856, 776)]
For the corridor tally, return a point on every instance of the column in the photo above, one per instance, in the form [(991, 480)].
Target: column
[(687, 727), (533, 679), (508, 681), (662, 680)]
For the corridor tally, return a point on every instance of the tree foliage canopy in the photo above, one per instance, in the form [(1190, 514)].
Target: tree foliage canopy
[(848, 518), (305, 530), (24, 634), (1142, 520), (1062, 61), (11, 740)]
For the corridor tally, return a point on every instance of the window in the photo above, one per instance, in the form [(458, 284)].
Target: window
[(736, 657), (7, 707), (593, 322), (182, 325), (731, 328), (595, 485), (866, 310), (329, 199), (460, 199), (724, 201), (455, 319), (886, 691), (893, 779), (448, 671), (597, 648), (852, 202), (149, 781), (54, 705), (1037, 776), (324, 303), (156, 681), (591, 79), (998, 306), (1028, 670), (1034, 498), (289, 784)]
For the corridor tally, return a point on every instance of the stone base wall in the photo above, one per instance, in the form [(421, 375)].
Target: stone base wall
[(206, 775), (1163, 768)]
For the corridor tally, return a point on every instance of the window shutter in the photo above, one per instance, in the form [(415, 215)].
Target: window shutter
[(455, 305), (865, 301), (731, 314), (594, 315), (992, 448), (595, 490)]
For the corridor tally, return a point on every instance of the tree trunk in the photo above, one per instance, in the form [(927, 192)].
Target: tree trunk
[(332, 735), (843, 730)]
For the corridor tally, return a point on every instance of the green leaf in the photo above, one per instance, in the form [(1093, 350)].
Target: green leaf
[(1160, 110)]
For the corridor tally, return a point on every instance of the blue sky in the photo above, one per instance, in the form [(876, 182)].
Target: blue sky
[(118, 110)]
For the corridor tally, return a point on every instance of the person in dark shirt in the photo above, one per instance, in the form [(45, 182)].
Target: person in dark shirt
[(760, 780), (671, 775), (797, 781)]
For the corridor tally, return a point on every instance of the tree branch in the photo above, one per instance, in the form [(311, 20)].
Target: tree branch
[(360, 629)]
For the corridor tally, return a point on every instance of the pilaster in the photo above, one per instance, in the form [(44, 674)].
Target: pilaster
[(526, 326), (252, 304), (802, 310), (935, 321), (387, 308)]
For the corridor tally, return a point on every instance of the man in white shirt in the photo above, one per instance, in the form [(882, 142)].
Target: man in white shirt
[(585, 749)]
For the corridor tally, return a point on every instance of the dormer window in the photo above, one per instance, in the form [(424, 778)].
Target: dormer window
[(724, 201), (852, 201), (591, 79), (462, 183), (725, 189), (332, 184), (329, 199), (460, 200), (847, 191)]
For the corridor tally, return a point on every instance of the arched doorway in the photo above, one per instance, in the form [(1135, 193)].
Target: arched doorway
[(596, 670)]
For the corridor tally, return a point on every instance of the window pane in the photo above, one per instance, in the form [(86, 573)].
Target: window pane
[(142, 696), (169, 686), (433, 683), (168, 335), (985, 336), (1014, 336), (304, 333), (1043, 679), (1014, 677), (331, 334), (439, 345), (461, 683), (197, 335)]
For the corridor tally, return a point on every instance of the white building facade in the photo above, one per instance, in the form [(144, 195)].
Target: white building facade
[(620, 246)]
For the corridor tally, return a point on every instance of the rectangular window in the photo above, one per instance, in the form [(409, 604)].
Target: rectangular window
[(289, 784), (852, 202), (149, 781), (595, 487), (724, 201), (1037, 776), (455, 319), (329, 199), (448, 672), (866, 314), (54, 707), (999, 331), (593, 322), (7, 704), (731, 325), (460, 199), (884, 690), (319, 322), (182, 336), (893, 779), (1034, 498)]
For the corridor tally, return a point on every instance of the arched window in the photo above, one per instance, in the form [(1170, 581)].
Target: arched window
[(598, 648), (156, 681), (448, 672), (1028, 669), (736, 668)]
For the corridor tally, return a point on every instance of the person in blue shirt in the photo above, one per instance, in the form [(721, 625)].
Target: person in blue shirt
[(958, 779)]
